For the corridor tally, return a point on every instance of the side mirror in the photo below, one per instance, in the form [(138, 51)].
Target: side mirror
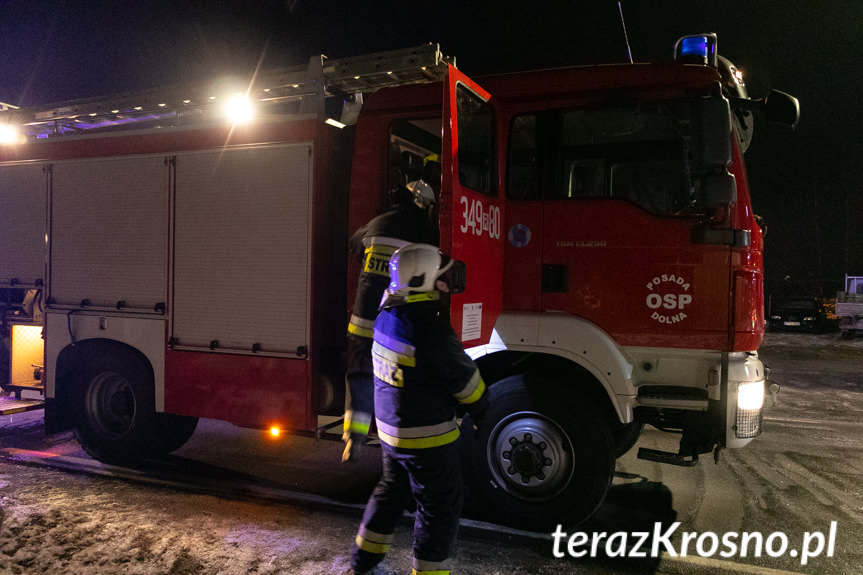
[(782, 109), (715, 132)]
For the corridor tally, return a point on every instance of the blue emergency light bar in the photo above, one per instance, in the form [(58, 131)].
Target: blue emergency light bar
[(697, 49)]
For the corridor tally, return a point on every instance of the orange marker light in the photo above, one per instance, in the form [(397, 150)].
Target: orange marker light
[(275, 431)]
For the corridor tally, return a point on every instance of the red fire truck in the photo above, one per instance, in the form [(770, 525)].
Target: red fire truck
[(178, 265)]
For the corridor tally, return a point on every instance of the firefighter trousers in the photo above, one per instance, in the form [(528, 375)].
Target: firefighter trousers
[(433, 478), (360, 379)]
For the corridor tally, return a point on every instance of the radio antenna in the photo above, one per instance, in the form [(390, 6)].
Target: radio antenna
[(625, 35)]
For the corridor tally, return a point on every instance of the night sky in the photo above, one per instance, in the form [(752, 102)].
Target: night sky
[(806, 184)]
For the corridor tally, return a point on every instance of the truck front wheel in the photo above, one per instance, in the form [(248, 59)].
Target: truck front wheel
[(626, 436), (117, 420), (543, 455)]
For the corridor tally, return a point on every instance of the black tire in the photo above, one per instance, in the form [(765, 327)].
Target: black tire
[(625, 437), (543, 455), (172, 432), (117, 421)]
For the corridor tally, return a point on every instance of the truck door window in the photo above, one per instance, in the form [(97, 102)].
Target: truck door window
[(639, 153), (651, 175), (475, 141), (523, 167), (415, 147)]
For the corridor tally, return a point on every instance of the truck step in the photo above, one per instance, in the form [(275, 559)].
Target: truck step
[(673, 397), (666, 457), (10, 405), (32, 386), (18, 388)]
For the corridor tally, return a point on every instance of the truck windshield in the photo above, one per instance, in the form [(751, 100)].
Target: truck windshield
[(636, 153)]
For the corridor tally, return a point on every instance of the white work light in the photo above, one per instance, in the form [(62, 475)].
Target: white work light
[(238, 109), (9, 134)]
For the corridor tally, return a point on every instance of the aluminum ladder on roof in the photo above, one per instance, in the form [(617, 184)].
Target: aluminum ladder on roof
[(310, 85)]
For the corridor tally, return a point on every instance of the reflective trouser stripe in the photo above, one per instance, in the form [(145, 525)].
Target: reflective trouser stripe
[(421, 567), (421, 437), (373, 542), (357, 422), (361, 326), (472, 390)]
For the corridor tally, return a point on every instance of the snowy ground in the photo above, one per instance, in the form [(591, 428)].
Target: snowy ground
[(59, 523), (813, 368)]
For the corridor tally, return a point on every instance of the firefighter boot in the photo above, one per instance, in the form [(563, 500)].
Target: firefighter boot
[(353, 446)]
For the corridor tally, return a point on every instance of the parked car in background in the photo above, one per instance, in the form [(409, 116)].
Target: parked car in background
[(803, 315)]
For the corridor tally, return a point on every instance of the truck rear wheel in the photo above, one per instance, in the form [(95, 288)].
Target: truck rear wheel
[(117, 420), (542, 456)]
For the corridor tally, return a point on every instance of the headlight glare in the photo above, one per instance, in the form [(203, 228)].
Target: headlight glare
[(750, 395)]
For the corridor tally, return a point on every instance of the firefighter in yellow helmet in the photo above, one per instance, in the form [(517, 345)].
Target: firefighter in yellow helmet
[(408, 220), (421, 374)]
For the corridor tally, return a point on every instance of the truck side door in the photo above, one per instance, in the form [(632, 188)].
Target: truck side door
[(471, 206), (619, 223)]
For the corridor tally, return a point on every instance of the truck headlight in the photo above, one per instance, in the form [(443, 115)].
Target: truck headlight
[(750, 395), (750, 404)]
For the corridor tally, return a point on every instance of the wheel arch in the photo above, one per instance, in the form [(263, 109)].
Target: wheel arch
[(563, 371), (568, 347), (73, 333), (69, 378)]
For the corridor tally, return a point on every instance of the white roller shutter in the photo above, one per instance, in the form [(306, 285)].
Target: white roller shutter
[(241, 244), (22, 223), (109, 232)]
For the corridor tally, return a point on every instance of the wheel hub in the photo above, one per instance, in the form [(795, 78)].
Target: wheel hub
[(530, 456), (110, 405), (527, 458)]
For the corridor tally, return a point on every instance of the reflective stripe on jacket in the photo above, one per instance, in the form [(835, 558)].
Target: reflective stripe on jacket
[(372, 284)]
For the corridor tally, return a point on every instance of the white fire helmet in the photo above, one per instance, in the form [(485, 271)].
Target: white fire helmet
[(415, 268), (422, 192)]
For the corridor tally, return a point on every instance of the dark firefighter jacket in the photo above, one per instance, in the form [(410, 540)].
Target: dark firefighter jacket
[(421, 374), (377, 240)]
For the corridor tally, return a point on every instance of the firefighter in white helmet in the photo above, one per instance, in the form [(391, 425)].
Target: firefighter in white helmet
[(421, 374), (409, 220)]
